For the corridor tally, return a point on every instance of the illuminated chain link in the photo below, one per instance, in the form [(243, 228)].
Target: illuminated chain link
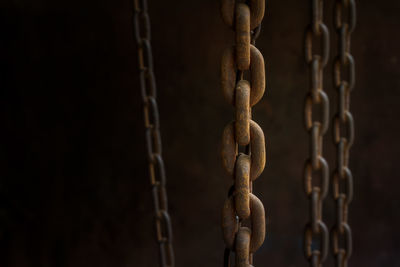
[(243, 215), (316, 236), (148, 88), (343, 130)]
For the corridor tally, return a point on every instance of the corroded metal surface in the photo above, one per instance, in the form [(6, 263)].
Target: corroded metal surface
[(157, 176), (242, 206), (343, 130), (316, 235)]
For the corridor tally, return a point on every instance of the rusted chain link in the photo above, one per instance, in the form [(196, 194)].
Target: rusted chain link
[(243, 215), (316, 235), (343, 130), (142, 34)]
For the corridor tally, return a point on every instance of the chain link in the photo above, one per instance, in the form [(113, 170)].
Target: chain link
[(142, 34), (243, 215), (316, 235), (343, 130)]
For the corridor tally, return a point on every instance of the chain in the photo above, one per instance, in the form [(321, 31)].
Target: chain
[(142, 34), (243, 215), (316, 236), (343, 130)]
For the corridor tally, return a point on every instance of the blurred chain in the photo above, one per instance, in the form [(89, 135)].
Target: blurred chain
[(316, 236), (243, 215), (343, 130), (142, 34)]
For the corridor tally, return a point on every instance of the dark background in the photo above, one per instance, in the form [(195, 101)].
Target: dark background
[(74, 189)]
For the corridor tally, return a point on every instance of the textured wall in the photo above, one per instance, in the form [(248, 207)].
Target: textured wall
[(73, 186)]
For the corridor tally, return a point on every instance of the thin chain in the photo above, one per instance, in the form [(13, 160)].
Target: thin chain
[(343, 130), (142, 34), (243, 215), (316, 236)]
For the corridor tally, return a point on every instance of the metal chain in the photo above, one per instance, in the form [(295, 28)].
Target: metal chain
[(316, 236), (243, 215), (343, 130), (142, 34)]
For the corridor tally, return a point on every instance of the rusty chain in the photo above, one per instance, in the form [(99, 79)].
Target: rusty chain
[(343, 130), (243, 215), (142, 35), (316, 236)]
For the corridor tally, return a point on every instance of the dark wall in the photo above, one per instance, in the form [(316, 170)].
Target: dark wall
[(74, 189)]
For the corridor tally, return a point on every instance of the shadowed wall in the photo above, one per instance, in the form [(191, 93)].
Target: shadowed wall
[(74, 189)]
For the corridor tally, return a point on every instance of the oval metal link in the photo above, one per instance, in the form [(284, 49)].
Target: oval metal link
[(242, 186), (352, 16), (151, 119), (163, 198), (257, 145), (242, 113), (163, 227), (324, 44), (163, 221), (147, 79), (229, 75), (257, 71), (257, 223), (324, 241), (348, 240), (348, 177), (147, 84), (257, 10), (308, 111), (153, 143), (349, 121), (308, 181), (146, 27), (146, 58), (351, 72), (230, 222), (158, 164), (242, 32), (140, 13), (242, 247)]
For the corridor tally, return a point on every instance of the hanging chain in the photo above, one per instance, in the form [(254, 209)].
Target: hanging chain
[(243, 215), (316, 236), (148, 89), (343, 130)]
